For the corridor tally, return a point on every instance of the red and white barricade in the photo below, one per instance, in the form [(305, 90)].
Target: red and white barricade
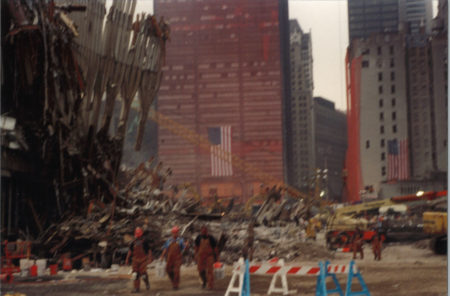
[(280, 270)]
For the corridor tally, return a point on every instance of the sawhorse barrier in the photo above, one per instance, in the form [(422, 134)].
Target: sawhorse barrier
[(242, 272)]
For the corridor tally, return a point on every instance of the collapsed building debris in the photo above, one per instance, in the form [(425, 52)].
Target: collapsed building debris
[(58, 62)]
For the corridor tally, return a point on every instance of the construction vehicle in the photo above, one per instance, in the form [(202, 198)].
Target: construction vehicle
[(435, 224), (341, 226)]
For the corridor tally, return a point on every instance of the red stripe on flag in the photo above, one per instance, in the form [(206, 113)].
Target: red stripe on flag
[(221, 154)]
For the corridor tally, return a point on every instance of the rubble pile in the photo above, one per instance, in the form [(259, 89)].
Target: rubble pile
[(64, 66), (62, 77)]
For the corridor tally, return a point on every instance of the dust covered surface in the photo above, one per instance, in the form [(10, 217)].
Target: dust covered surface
[(405, 269)]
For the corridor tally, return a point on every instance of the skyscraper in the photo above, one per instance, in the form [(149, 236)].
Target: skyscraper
[(377, 112), (368, 16), (381, 16), (224, 79), (301, 148), (397, 112), (330, 145)]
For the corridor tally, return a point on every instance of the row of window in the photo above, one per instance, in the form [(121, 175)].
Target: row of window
[(381, 102), (382, 141), (365, 63), (380, 89), (380, 76), (380, 51), (394, 116)]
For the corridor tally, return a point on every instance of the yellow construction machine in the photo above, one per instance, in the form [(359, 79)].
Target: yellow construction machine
[(435, 224)]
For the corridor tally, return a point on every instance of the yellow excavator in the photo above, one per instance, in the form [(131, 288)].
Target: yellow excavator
[(435, 224)]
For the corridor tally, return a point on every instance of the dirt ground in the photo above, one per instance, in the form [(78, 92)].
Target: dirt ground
[(405, 269)]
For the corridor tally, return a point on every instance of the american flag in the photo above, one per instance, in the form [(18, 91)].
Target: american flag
[(398, 166), (220, 139)]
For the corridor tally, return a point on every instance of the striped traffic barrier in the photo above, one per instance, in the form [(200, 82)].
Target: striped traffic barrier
[(279, 270), (344, 250)]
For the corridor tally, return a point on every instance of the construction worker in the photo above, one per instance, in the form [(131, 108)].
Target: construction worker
[(141, 256), (206, 255), (311, 229), (357, 242), (376, 246), (172, 251)]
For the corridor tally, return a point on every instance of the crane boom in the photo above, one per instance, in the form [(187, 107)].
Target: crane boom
[(200, 141)]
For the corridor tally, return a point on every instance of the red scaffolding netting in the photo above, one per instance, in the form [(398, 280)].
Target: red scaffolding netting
[(353, 183)]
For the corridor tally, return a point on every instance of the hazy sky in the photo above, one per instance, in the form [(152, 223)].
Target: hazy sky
[(327, 22)]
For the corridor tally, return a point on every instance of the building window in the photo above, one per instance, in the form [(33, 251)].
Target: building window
[(383, 156), (382, 129), (367, 144), (383, 171), (392, 76), (394, 128), (380, 89), (381, 116), (365, 64), (379, 50), (392, 89), (380, 76), (382, 143), (393, 102), (394, 115), (391, 49), (380, 103), (392, 64)]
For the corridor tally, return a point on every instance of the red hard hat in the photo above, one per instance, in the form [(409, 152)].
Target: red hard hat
[(175, 229), (138, 232)]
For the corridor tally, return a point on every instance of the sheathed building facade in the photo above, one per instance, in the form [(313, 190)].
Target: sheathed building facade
[(224, 79)]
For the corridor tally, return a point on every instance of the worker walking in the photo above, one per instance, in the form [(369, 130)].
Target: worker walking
[(173, 250), (376, 246), (206, 255), (141, 256), (357, 243)]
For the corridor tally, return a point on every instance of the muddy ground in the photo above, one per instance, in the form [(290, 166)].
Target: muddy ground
[(405, 269)]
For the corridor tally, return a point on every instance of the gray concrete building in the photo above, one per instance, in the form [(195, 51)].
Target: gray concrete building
[(420, 103), (399, 85), (439, 56), (301, 152), (383, 103), (331, 144)]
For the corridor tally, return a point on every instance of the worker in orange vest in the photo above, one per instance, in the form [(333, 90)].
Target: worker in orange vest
[(172, 251), (206, 255), (141, 256), (377, 245), (357, 242)]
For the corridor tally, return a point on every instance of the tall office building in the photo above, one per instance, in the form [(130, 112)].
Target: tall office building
[(382, 16), (224, 79), (301, 149), (416, 14), (368, 16), (377, 113), (397, 113), (439, 56), (331, 144)]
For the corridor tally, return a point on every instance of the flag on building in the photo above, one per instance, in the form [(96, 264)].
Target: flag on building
[(398, 165), (221, 161)]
